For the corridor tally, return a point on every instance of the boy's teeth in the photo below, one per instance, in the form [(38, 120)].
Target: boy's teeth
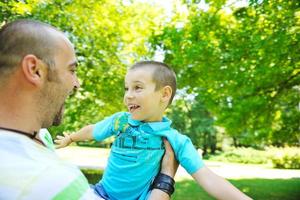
[(133, 107)]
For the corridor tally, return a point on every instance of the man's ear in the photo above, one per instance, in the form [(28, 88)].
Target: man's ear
[(166, 93), (33, 69)]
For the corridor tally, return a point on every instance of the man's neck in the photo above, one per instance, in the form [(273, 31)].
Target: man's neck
[(10, 121), (18, 104), (14, 115)]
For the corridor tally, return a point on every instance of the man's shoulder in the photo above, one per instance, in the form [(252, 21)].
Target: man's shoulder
[(28, 166), (55, 180)]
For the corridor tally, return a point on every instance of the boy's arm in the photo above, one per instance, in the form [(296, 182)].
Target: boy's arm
[(189, 158), (99, 131), (217, 186), (86, 133)]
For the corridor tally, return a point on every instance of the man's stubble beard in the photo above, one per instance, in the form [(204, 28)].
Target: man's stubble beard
[(58, 118), (53, 87)]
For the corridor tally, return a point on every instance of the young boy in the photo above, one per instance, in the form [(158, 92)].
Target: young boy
[(135, 155)]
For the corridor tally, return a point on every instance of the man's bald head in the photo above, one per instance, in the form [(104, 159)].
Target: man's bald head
[(23, 37)]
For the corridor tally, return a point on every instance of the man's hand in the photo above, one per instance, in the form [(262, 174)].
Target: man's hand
[(169, 164), (169, 167)]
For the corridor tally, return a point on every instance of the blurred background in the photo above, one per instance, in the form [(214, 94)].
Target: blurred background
[(237, 65)]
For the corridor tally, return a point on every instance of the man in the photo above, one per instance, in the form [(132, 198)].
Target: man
[(37, 74)]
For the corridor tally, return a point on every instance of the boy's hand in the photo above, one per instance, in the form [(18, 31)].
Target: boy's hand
[(63, 141)]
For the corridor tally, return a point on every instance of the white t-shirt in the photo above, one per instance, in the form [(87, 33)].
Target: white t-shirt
[(31, 171), (46, 138)]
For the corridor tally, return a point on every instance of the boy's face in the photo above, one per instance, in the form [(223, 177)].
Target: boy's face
[(141, 99)]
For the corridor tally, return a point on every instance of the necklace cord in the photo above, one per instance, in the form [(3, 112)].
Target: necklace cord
[(31, 136)]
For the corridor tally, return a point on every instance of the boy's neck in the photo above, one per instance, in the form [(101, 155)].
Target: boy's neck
[(158, 120)]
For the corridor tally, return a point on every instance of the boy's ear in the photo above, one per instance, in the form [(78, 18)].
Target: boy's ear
[(33, 69), (166, 93)]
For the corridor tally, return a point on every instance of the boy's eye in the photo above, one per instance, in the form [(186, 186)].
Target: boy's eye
[(138, 87), (126, 88)]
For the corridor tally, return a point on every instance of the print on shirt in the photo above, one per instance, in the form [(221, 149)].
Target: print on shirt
[(130, 138)]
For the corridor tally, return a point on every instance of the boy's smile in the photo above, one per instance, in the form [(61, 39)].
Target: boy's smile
[(133, 107), (141, 97)]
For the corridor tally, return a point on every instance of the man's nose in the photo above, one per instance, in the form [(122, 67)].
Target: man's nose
[(76, 83)]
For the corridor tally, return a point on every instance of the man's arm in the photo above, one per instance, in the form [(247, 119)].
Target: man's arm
[(169, 167), (86, 133), (217, 186)]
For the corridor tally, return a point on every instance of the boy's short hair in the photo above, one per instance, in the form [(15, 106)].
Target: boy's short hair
[(163, 75)]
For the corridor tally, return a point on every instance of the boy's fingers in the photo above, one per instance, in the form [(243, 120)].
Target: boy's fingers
[(62, 141), (67, 133), (57, 141), (60, 137)]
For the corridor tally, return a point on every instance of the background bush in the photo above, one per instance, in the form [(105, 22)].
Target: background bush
[(241, 155), (284, 158)]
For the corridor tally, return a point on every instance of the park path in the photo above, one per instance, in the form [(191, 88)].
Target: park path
[(96, 158)]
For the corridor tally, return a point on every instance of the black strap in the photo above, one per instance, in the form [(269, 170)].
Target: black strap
[(31, 136), (164, 183)]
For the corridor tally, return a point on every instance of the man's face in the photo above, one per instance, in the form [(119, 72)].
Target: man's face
[(141, 99), (61, 82)]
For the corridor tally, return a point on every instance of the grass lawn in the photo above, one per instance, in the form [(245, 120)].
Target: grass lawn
[(258, 189)]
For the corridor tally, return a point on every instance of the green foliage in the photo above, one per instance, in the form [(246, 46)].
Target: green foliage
[(244, 64), (94, 143), (189, 190), (190, 117), (258, 189), (242, 155), (241, 64), (285, 158), (108, 35), (93, 175)]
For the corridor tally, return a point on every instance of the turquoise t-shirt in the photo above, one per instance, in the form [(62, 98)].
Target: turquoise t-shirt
[(136, 153)]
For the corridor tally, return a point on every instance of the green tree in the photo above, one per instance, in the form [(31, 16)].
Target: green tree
[(108, 36), (190, 117), (244, 62)]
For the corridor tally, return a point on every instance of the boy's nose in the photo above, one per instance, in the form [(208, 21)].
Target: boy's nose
[(128, 95)]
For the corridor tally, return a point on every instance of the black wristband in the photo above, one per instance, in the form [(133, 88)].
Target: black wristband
[(164, 183)]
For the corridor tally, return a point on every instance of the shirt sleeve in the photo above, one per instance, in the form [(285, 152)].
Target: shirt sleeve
[(185, 151), (106, 128)]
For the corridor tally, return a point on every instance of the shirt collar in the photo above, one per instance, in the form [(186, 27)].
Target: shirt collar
[(155, 126)]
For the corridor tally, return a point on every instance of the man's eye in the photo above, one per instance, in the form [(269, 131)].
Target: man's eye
[(126, 89), (138, 87)]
